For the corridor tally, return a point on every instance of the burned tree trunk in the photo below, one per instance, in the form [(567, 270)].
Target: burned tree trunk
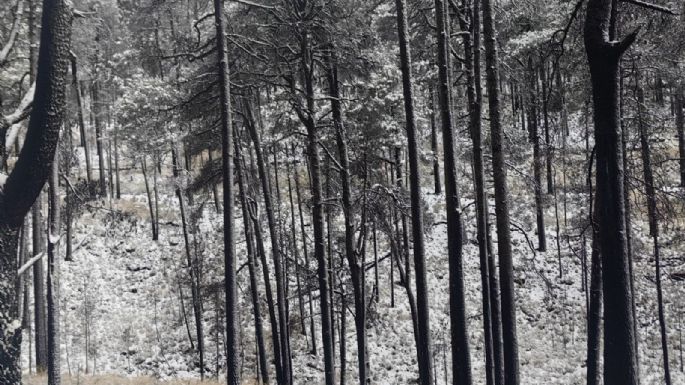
[(31, 171), (620, 364), (423, 346), (504, 250), (472, 44), (230, 279), (461, 362)]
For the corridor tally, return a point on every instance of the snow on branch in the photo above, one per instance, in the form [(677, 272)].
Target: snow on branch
[(18, 115), (654, 7)]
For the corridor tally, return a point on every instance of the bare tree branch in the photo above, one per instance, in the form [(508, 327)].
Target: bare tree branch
[(653, 7)]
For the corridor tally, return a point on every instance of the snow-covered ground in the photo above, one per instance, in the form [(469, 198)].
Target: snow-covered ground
[(121, 296)]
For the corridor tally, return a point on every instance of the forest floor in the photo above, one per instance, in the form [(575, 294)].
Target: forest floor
[(125, 296), (115, 380)]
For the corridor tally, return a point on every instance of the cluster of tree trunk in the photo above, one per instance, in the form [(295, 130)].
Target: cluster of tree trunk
[(610, 292)]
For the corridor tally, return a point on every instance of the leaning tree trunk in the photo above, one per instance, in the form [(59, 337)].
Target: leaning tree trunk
[(252, 269), (31, 172), (461, 365), (259, 242), (620, 364), (282, 331), (193, 268), (230, 279), (504, 250)]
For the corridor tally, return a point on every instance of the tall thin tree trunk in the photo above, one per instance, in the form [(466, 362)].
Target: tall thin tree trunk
[(99, 136), (254, 286), (150, 203), (434, 146), (296, 254), (40, 322), (110, 168), (271, 307), (461, 361), (329, 251), (650, 192), (81, 121), (116, 161), (312, 327), (680, 127), (156, 169), (376, 276), (626, 199), (53, 290), (320, 252), (275, 249), (594, 314), (192, 262), (534, 136), (396, 254), (230, 279), (351, 253), (545, 113), (504, 250), (215, 187), (68, 206), (475, 97), (306, 116)]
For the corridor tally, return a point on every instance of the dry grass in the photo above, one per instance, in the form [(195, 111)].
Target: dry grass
[(116, 380)]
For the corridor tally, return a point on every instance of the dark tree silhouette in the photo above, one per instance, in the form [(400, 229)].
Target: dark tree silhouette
[(24, 183), (620, 364)]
